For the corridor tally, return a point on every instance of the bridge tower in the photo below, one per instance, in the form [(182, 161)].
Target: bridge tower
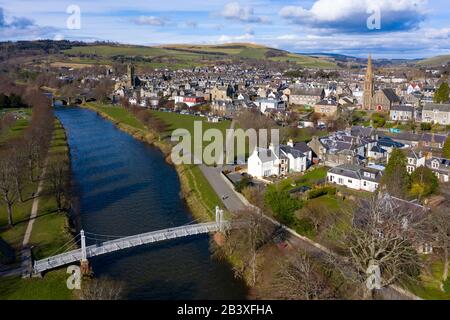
[(219, 218), (84, 263)]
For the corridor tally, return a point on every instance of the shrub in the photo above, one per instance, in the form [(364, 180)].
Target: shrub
[(318, 192)]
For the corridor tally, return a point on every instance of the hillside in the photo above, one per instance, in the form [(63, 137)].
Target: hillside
[(435, 61), (179, 56)]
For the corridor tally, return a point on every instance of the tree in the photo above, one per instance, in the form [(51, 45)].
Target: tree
[(7, 186), (396, 179), (439, 231), (300, 278), (278, 199), (101, 289), (442, 94), (446, 150), (247, 240), (58, 177), (381, 238), (4, 101), (423, 182), (18, 161)]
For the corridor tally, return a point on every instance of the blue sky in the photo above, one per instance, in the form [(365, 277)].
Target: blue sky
[(409, 28)]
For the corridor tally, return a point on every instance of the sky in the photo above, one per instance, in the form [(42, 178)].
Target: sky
[(384, 28)]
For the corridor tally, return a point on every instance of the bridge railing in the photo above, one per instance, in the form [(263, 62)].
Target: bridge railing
[(127, 242)]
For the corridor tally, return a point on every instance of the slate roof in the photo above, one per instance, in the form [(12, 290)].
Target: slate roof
[(391, 95), (434, 106)]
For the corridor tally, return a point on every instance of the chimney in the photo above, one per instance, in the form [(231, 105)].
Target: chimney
[(290, 143)]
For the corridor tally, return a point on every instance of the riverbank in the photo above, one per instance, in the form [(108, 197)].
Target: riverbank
[(50, 231), (196, 190)]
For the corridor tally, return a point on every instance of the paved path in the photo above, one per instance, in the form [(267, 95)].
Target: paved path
[(34, 208), (26, 254)]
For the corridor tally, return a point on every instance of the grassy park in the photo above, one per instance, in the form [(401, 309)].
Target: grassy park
[(48, 235)]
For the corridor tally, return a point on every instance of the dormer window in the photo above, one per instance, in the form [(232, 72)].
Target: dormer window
[(435, 165)]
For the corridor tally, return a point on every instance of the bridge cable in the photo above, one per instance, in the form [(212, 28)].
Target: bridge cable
[(65, 246)]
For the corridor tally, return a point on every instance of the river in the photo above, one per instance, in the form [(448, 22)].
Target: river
[(125, 187)]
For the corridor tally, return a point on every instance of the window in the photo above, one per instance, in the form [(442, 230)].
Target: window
[(350, 181), (340, 180)]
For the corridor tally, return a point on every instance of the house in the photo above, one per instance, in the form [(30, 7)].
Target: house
[(279, 160), (415, 160), (355, 177), (433, 140), (271, 104), (385, 99), (402, 113), (306, 96), (264, 163), (436, 113), (327, 108), (220, 93), (190, 101), (440, 167)]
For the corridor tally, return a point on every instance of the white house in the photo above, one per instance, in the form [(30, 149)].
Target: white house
[(355, 177), (272, 104), (263, 163), (415, 160), (279, 160)]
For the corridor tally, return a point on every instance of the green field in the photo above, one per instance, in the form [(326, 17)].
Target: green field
[(179, 121), (119, 114), (434, 61), (19, 126), (186, 56), (48, 235), (51, 287)]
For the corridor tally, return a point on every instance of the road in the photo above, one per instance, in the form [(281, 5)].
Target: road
[(231, 200), (233, 203)]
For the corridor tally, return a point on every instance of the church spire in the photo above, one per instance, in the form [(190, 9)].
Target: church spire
[(368, 86)]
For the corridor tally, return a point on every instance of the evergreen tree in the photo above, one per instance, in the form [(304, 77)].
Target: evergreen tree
[(442, 94), (423, 182), (446, 150), (4, 101), (396, 179)]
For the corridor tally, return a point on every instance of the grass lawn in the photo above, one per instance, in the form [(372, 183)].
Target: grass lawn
[(19, 126), (48, 235), (119, 114), (204, 194), (49, 230), (312, 177), (181, 121), (51, 287), (429, 285)]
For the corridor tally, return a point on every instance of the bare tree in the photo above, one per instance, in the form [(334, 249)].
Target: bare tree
[(383, 237), (7, 186), (18, 162), (439, 233), (58, 178), (300, 278), (101, 289), (252, 232)]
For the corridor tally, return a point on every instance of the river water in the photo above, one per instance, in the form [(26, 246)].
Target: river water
[(124, 188)]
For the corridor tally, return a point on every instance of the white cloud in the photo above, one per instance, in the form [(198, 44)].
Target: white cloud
[(352, 15), (150, 21), (234, 11), (244, 37)]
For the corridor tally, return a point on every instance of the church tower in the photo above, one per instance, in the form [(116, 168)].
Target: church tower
[(131, 76), (368, 86)]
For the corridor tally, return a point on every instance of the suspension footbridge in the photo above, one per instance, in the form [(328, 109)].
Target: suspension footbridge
[(85, 252)]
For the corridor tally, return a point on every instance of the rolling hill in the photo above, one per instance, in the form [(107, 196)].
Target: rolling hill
[(179, 56), (435, 61)]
